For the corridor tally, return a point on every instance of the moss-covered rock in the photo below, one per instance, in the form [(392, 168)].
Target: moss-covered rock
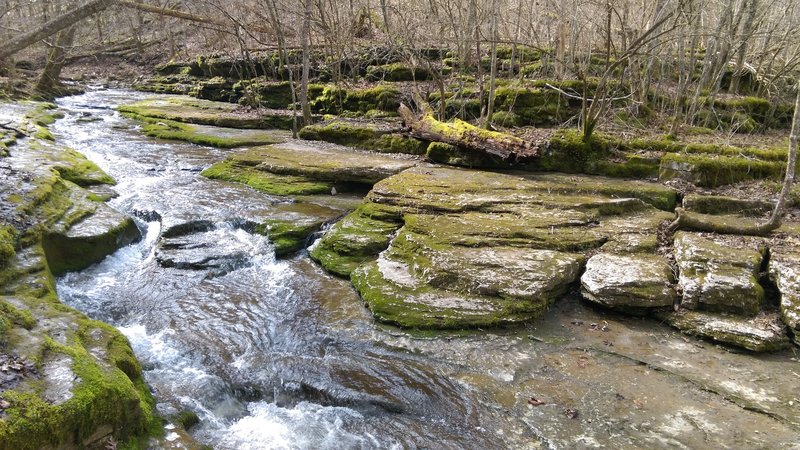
[(290, 225), (205, 112), (479, 248), (296, 168), (718, 204), (718, 277), (86, 386), (220, 137), (398, 72), (83, 243), (631, 283), (713, 171), (335, 100), (383, 137)]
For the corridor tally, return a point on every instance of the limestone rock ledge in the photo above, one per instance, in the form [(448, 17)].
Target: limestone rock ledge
[(462, 248), (72, 382)]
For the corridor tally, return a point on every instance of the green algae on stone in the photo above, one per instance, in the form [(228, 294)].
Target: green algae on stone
[(229, 170), (336, 100), (713, 171)]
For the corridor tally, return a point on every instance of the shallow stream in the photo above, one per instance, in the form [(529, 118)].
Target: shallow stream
[(277, 354)]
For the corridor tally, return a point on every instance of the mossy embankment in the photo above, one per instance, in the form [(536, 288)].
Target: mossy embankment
[(76, 382)]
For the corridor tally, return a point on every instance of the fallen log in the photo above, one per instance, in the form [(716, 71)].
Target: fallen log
[(470, 137)]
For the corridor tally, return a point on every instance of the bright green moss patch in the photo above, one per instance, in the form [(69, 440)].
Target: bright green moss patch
[(265, 181), (204, 135), (336, 100), (288, 236), (353, 240), (398, 72), (712, 171), (363, 135)]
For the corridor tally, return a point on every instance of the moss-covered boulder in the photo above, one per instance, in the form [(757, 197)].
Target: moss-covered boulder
[(206, 112), (380, 100), (715, 276), (290, 225), (719, 204), (465, 248), (631, 283), (306, 168), (398, 72)]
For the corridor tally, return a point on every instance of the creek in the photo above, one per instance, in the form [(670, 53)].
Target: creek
[(275, 353)]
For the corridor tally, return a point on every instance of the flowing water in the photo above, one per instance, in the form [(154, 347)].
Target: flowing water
[(277, 354)]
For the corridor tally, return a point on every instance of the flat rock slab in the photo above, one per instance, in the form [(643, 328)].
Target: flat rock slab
[(205, 112), (759, 334), (632, 283), (301, 168), (717, 276)]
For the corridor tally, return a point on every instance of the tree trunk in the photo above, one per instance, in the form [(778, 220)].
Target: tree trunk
[(53, 26), (307, 119), (462, 134), (747, 33), (49, 79), (487, 121)]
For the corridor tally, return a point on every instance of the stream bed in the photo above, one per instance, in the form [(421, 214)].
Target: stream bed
[(275, 353)]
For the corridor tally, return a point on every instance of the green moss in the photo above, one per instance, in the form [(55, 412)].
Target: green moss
[(288, 236), (357, 238), (44, 134), (393, 303), (712, 171), (449, 154), (204, 112), (397, 72), (264, 181), (269, 94), (7, 244), (363, 135), (341, 101), (219, 137)]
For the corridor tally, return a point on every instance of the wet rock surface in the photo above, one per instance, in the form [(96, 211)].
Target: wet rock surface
[(632, 283), (72, 394), (718, 277)]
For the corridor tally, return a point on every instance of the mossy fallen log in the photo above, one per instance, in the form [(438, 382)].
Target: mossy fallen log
[(462, 134)]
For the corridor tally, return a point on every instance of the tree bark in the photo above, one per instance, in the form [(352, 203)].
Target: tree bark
[(49, 79), (462, 134), (307, 118), (53, 26)]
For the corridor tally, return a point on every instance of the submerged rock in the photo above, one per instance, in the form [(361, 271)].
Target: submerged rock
[(759, 334), (718, 277), (632, 283)]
